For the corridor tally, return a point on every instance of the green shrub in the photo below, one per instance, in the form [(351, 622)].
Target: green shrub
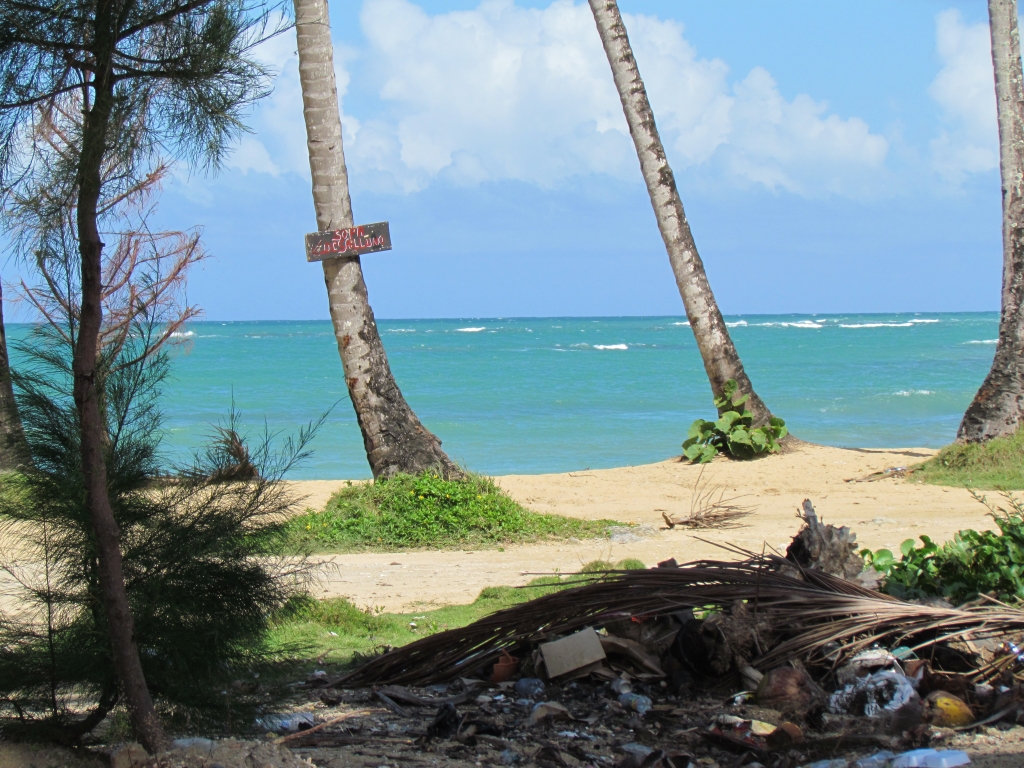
[(997, 465), (733, 432), (428, 511), (973, 563)]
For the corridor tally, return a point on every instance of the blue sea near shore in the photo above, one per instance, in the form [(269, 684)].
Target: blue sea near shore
[(531, 395), (557, 394)]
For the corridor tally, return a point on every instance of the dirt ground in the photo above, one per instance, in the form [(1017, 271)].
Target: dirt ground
[(882, 513)]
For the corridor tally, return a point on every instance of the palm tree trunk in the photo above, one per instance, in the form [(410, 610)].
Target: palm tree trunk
[(721, 361), (13, 448), (997, 407), (394, 438)]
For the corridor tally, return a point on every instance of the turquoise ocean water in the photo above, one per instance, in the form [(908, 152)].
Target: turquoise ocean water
[(557, 394)]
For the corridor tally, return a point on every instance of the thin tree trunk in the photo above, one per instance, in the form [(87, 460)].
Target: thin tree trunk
[(141, 711), (394, 438), (721, 361), (13, 448), (997, 407)]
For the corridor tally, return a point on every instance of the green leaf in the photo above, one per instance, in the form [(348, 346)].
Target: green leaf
[(693, 452), (709, 453), (726, 420), (696, 429), (907, 547), (740, 436)]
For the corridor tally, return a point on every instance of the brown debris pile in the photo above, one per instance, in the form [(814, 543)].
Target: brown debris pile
[(770, 660)]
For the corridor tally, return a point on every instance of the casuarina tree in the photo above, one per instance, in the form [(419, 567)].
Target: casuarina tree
[(998, 406), (395, 439), (13, 449), (721, 361), (145, 75)]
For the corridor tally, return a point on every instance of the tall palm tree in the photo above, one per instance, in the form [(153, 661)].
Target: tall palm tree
[(998, 406), (721, 361), (394, 438)]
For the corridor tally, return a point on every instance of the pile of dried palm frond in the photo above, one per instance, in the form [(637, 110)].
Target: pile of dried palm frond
[(709, 508), (809, 610)]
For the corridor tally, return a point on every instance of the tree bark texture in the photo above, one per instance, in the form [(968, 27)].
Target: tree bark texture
[(141, 711), (394, 438), (13, 448), (721, 361), (997, 407)]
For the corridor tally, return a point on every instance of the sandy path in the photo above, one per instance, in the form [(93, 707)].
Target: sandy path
[(882, 513)]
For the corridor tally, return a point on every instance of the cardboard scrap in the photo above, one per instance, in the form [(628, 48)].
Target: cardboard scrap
[(572, 652)]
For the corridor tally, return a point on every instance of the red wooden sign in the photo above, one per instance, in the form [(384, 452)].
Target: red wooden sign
[(354, 241)]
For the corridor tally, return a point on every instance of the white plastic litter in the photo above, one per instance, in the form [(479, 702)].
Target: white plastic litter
[(877, 760), (290, 722), (884, 690), (931, 758), (947, 758), (205, 745)]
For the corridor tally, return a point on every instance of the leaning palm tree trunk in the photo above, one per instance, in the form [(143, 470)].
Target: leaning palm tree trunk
[(394, 438), (721, 361), (998, 406)]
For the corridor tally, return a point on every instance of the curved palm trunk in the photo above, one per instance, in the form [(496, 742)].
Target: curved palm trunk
[(721, 361), (997, 407), (13, 448), (394, 438)]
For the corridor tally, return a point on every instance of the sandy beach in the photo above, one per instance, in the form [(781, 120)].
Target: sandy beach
[(882, 513)]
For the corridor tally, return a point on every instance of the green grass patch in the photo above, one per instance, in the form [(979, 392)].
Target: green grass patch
[(334, 631), (429, 512), (997, 465)]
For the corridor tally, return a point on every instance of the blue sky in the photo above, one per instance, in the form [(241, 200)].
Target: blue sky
[(831, 157)]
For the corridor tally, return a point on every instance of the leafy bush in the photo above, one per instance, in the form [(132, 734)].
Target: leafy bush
[(973, 563), (428, 511), (733, 432)]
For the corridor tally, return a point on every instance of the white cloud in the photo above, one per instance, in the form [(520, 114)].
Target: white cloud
[(965, 92), (505, 92), (279, 144)]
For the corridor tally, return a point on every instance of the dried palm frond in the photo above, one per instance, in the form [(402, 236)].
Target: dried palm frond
[(809, 610), (707, 511)]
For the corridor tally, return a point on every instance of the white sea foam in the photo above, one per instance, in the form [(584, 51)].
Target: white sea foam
[(183, 334), (983, 341), (610, 346), (908, 324), (798, 324), (400, 330), (737, 324), (470, 330), (685, 322), (909, 392)]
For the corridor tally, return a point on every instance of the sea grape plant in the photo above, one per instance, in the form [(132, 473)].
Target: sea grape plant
[(972, 564), (733, 432)]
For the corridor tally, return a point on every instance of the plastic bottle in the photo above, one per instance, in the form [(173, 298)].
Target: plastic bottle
[(931, 758), (877, 760), (530, 687), (634, 701)]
